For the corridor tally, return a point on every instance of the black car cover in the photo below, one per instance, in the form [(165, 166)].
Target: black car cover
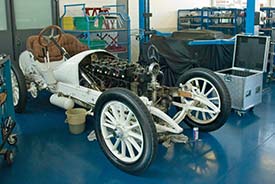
[(176, 56)]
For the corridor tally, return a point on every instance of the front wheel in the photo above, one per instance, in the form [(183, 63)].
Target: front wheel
[(125, 130), (207, 84), (19, 89)]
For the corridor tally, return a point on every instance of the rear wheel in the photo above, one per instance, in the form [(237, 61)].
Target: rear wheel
[(18, 89), (125, 130), (209, 85)]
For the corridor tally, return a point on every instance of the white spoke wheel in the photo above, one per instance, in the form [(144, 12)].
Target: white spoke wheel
[(125, 130), (207, 84), (121, 131), (207, 89), (18, 89), (15, 88)]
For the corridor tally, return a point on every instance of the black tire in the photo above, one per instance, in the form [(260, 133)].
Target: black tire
[(146, 125), (225, 100), (21, 105)]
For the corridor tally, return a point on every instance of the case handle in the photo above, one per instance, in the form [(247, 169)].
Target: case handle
[(248, 93), (228, 78)]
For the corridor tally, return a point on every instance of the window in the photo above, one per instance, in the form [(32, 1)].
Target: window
[(31, 14), (3, 16)]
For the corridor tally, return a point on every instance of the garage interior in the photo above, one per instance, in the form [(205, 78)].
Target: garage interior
[(152, 49)]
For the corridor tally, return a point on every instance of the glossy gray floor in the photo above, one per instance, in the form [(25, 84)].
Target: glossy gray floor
[(242, 151)]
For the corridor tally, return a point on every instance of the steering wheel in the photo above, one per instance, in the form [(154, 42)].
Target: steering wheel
[(153, 53), (49, 33)]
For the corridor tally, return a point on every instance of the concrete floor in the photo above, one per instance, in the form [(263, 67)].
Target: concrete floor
[(242, 151)]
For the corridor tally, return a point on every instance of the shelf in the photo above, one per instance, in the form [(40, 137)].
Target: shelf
[(118, 52), (265, 29), (190, 17), (267, 8), (225, 9), (187, 24), (222, 26), (96, 31), (222, 17)]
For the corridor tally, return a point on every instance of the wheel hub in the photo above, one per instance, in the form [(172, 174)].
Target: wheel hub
[(199, 104), (118, 133)]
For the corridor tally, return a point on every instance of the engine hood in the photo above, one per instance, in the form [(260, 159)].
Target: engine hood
[(68, 71)]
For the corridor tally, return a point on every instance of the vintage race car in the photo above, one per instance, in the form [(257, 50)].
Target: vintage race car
[(130, 105)]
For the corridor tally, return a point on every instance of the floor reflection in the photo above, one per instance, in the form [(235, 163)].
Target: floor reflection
[(204, 160)]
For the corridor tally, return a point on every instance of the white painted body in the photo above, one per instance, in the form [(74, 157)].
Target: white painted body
[(60, 76), (62, 79)]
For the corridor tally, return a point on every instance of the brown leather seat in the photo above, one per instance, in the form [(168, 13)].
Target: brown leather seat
[(70, 43)]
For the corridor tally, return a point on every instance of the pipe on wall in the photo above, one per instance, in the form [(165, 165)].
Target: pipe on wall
[(250, 13)]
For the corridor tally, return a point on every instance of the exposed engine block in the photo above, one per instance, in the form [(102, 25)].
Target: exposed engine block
[(111, 72)]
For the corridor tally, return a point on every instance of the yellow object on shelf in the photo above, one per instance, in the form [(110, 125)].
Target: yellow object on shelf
[(68, 23)]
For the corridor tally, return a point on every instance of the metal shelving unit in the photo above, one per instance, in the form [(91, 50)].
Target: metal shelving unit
[(7, 110), (112, 32), (269, 21), (190, 19), (228, 20)]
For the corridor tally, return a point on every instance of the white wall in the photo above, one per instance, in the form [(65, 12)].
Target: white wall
[(165, 11)]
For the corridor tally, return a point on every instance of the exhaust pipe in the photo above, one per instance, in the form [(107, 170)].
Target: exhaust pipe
[(62, 102)]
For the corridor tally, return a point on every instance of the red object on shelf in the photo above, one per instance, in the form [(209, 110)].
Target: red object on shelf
[(96, 10), (116, 48)]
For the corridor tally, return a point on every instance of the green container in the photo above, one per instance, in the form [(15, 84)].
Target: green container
[(95, 23), (94, 44)]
